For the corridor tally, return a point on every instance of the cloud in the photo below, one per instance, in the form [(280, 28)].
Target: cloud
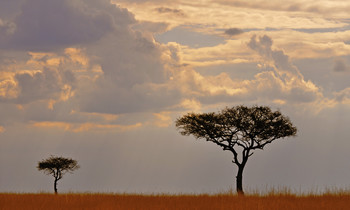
[(8, 87), (308, 6), (278, 80), (293, 81), (233, 31), (151, 28), (39, 85), (111, 98), (340, 66), (176, 12), (128, 58), (51, 25), (263, 45), (83, 127), (41, 76), (7, 28), (163, 119), (255, 15), (343, 96), (120, 68), (10, 9), (86, 44), (92, 84)]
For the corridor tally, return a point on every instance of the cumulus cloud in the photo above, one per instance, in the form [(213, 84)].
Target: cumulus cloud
[(281, 62), (293, 81), (117, 68), (278, 81), (134, 76), (50, 25), (36, 86), (46, 77), (96, 59), (110, 98)]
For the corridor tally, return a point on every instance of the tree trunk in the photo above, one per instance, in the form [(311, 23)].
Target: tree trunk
[(239, 180), (55, 185)]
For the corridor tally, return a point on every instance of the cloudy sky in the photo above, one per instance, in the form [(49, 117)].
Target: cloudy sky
[(103, 82)]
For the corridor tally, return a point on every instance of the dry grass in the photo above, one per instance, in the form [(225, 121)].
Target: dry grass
[(270, 201)]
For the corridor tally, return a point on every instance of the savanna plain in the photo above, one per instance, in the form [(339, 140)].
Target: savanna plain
[(271, 200)]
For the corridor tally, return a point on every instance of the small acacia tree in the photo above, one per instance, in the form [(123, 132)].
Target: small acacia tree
[(57, 167), (239, 130)]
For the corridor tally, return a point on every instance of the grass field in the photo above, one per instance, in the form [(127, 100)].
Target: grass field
[(135, 201)]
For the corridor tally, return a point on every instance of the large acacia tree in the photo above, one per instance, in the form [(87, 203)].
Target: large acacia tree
[(57, 167), (240, 130)]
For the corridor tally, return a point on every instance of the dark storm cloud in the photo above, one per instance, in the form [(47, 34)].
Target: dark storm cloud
[(10, 8), (47, 25), (234, 31)]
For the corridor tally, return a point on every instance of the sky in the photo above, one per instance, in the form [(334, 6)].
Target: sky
[(103, 82)]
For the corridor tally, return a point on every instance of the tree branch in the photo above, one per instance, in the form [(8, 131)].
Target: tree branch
[(261, 146), (235, 158)]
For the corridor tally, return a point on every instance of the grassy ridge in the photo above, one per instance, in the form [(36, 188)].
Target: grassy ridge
[(134, 201)]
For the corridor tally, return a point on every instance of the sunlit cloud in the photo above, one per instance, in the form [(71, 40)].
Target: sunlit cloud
[(279, 81), (76, 55), (163, 119), (2, 129), (102, 116), (85, 127), (191, 104), (256, 14), (343, 96), (44, 76), (8, 85), (324, 7)]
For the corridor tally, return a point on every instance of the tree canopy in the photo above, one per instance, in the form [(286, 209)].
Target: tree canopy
[(247, 128), (57, 167)]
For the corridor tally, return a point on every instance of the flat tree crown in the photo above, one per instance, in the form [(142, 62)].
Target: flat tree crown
[(248, 127), (239, 129), (57, 167), (52, 164)]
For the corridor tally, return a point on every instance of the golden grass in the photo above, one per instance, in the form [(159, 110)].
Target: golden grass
[(134, 201)]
